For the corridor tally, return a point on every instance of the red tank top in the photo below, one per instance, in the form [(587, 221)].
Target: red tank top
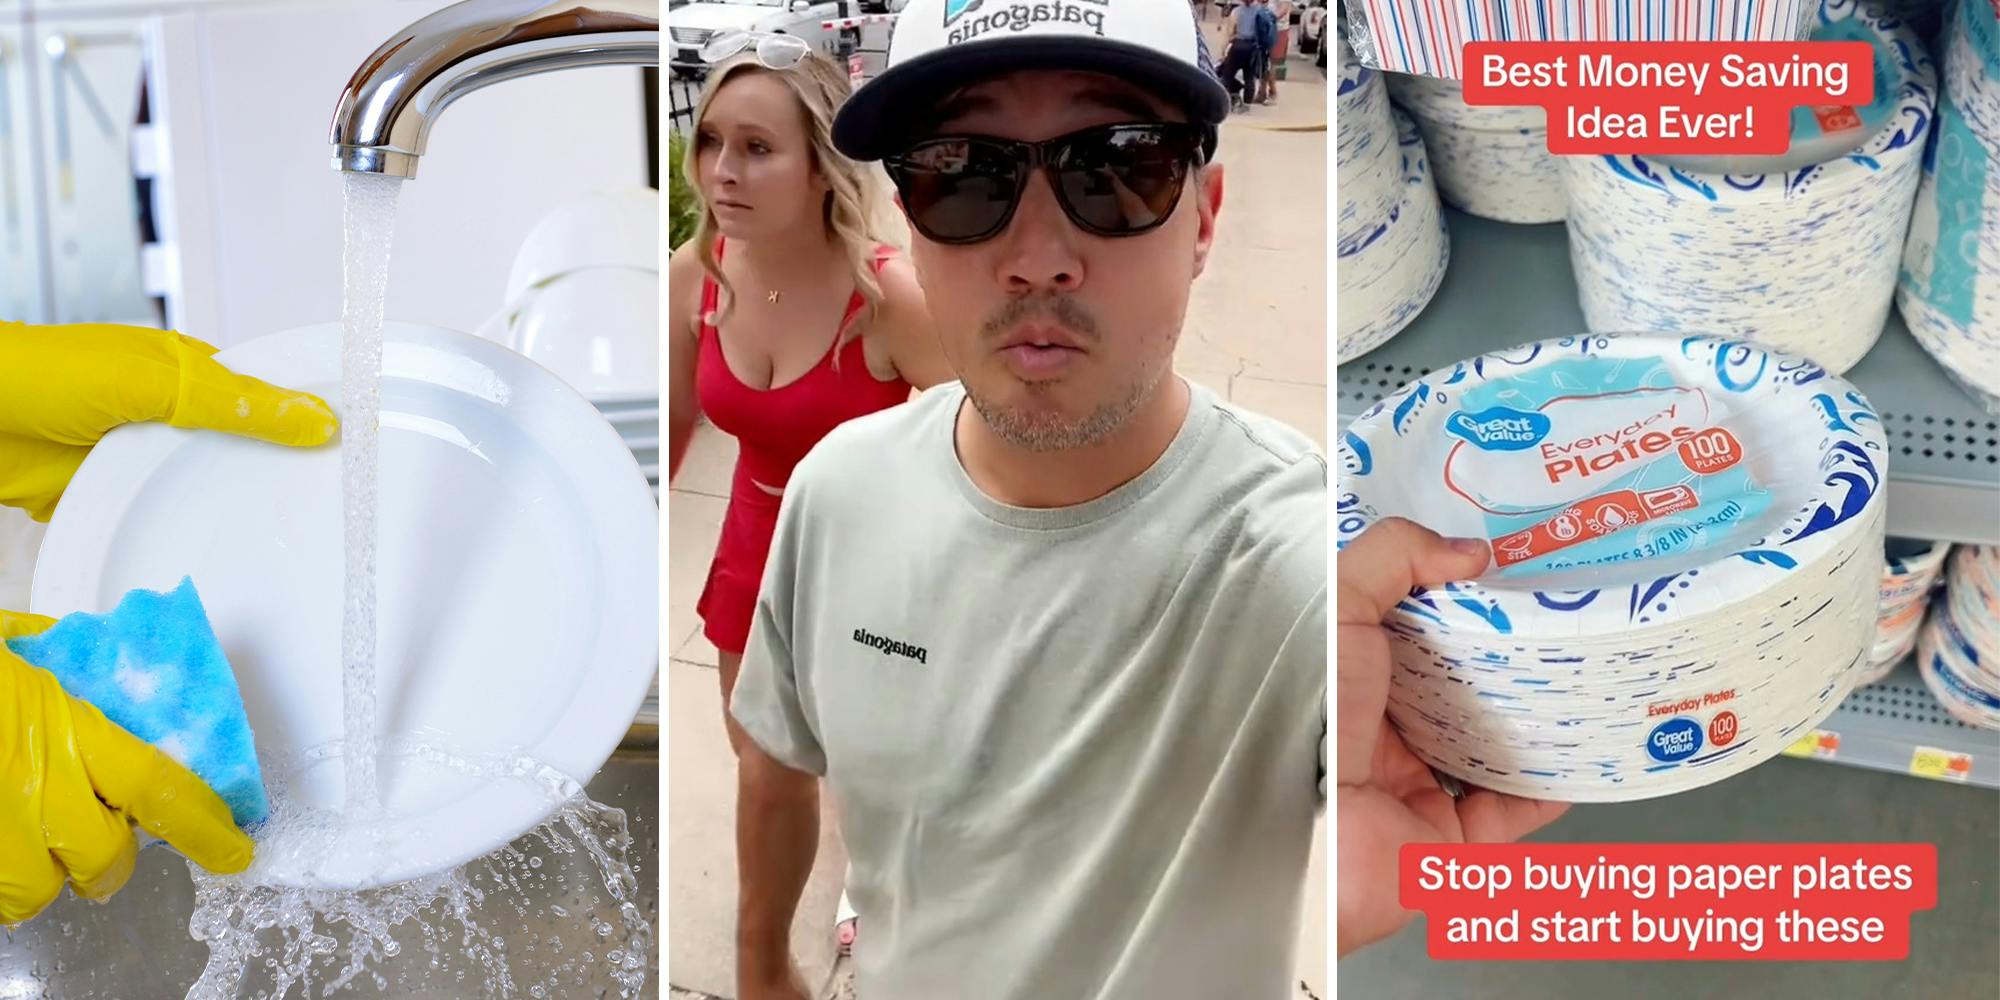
[(775, 427)]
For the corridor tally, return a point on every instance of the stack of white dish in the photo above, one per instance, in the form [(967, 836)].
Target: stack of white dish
[(1687, 538), (637, 419), (1392, 242), (1797, 252), (1949, 292), (1909, 574), (1493, 162), (583, 301), (1959, 652)]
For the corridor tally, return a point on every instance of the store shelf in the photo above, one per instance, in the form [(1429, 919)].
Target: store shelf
[(1898, 726), (1510, 284)]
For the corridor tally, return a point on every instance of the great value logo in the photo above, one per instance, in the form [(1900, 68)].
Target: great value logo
[(1674, 740), (1499, 428)]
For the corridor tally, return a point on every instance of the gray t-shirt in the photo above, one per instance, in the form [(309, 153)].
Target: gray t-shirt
[(1076, 752)]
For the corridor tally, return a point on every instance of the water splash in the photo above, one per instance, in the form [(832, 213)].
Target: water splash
[(498, 925), (369, 219)]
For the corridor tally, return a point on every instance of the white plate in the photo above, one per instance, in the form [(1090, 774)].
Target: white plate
[(610, 229), (599, 329), (518, 579)]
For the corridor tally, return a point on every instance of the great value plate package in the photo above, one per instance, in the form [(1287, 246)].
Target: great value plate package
[(1687, 538)]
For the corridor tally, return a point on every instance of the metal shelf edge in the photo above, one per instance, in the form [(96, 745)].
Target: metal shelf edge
[(1903, 741)]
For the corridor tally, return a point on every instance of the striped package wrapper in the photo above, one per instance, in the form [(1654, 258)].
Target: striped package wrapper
[(1426, 37)]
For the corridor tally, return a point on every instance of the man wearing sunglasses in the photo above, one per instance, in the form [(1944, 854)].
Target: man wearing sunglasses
[(1055, 635)]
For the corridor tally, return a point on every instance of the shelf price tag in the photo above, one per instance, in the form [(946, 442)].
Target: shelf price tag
[(1822, 743), (1944, 765)]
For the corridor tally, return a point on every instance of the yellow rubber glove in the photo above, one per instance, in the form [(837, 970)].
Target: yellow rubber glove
[(63, 387), (69, 780)]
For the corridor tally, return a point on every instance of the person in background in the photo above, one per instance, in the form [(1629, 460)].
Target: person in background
[(1385, 796), (1240, 73), (1267, 38), (71, 782), (788, 314), (1281, 45), (1054, 637), (1312, 33)]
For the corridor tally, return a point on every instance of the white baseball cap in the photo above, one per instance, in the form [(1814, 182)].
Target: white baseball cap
[(939, 46)]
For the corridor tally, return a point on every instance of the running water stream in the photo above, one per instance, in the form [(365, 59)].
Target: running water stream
[(370, 229), (582, 934)]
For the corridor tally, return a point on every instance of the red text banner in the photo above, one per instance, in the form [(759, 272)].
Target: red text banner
[(1637, 902), (1673, 98)]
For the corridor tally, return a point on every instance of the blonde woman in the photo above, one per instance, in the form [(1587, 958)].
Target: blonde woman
[(789, 312)]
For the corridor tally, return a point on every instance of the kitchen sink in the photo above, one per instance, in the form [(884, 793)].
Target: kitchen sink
[(136, 945)]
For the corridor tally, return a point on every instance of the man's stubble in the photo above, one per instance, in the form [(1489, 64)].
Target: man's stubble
[(1045, 428)]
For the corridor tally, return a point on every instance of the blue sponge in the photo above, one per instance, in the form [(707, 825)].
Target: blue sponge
[(153, 666)]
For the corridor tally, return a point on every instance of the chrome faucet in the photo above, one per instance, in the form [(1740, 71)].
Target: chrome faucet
[(386, 111)]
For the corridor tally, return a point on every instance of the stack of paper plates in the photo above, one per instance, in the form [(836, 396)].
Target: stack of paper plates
[(1909, 574), (1796, 252), (1959, 652), (1493, 162), (1392, 245), (1949, 291), (1971, 48), (1687, 538)]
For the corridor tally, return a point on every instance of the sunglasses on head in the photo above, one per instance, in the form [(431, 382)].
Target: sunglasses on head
[(1113, 180), (776, 52)]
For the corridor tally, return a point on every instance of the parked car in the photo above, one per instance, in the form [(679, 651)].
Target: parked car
[(690, 26)]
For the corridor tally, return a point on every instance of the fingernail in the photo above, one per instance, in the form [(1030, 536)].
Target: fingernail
[(1467, 546)]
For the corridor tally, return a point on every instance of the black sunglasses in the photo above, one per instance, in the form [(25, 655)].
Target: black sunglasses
[(1113, 180)]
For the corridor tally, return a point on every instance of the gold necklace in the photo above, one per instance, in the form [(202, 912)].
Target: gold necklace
[(773, 297)]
